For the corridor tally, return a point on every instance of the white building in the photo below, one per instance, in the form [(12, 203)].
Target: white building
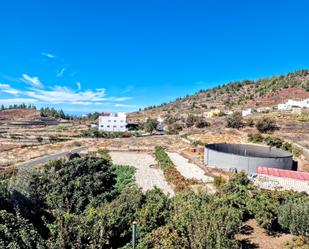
[(293, 103), (113, 121), (247, 112)]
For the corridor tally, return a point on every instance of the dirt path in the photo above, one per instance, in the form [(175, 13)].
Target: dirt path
[(188, 170), (146, 177)]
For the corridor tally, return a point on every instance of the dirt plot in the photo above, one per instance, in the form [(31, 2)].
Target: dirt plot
[(253, 236), (218, 138), (146, 177)]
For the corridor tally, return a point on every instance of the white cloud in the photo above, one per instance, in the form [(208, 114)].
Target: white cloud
[(61, 72), (17, 101), (79, 86), (6, 88), (48, 55), (60, 95), (34, 81), (125, 106)]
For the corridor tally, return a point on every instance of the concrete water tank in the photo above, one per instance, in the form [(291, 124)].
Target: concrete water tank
[(246, 157)]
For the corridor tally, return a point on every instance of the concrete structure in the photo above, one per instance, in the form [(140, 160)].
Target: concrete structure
[(246, 157), (113, 121), (293, 103), (246, 112)]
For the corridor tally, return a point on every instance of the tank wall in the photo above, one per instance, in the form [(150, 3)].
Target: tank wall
[(248, 164)]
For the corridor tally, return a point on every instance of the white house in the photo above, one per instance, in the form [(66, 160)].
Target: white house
[(293, 103), (113, 121), (247, 112)]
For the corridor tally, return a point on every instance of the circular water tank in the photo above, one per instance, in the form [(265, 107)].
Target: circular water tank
[(246, 157)]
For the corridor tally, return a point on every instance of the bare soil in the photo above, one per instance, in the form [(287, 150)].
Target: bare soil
[(253, 236)]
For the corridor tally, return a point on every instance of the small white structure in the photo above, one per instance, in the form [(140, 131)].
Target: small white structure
[(113, 121), (161, 118), (247, 112), (293, 103)]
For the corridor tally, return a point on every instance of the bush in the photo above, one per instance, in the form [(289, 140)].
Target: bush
[(174, 129), (124, 177), (235, 121), (293, 217), (219, 182), (151, 125), (266, 125), (255, 138)]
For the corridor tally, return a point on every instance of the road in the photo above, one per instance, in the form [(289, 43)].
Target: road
[(45, 159)]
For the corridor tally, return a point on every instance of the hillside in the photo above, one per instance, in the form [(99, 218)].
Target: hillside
[(235, 96), (20, 114)]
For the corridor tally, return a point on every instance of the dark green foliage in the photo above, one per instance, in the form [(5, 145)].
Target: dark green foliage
[(235, 120), (155, 212), (79, 183), (52, 112), (266, 125), (293, 216), (21, 106), (16, 232)]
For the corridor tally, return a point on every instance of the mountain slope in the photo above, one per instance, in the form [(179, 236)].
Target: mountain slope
[(236, 96)]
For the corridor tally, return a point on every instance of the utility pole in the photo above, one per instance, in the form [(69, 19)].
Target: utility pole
[(133, 234)]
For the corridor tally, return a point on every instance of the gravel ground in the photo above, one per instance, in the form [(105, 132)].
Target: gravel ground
[(146, 177), (188, 170)]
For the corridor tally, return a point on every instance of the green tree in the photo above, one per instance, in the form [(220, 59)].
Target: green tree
[(151, 125)]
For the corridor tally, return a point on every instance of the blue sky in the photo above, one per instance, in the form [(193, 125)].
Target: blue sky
[(117, 55)]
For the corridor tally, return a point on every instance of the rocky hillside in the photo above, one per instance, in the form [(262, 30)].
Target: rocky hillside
[(235, 96)]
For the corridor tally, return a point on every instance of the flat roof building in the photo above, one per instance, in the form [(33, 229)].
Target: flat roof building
[(113, 121)]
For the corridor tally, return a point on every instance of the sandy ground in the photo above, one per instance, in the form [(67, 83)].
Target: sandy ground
[(253, 236), (188, 170), (146, 176)]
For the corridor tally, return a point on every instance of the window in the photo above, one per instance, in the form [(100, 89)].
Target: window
[(115, 126), (102, 125), (108, 126)]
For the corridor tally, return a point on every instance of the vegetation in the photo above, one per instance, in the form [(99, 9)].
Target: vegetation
[(90, 203), (172, 175), (235, 121), (150, 125), (266, 125), (275, 142), (21, 106), (94, 133)]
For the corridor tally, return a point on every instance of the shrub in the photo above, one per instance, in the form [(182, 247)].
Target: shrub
[(219, 182), (293, 217), (266, 125), (235, 121), (255, 138), (124, 176)]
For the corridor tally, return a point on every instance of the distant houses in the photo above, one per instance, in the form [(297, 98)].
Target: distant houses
[(290, 104), (113, 121)]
